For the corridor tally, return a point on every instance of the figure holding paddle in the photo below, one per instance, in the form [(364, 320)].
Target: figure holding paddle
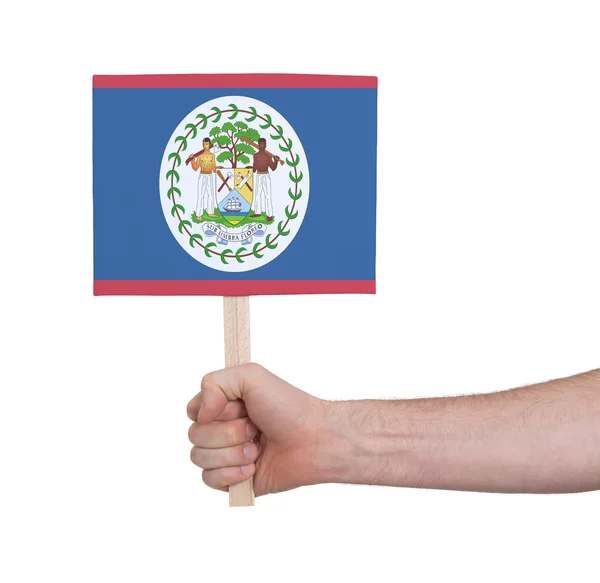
[(263, 160), (207, 197)]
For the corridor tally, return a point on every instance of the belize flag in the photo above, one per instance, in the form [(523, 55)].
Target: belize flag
[(234, 185)]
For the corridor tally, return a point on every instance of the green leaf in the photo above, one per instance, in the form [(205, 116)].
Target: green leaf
[(243, 159), (281, 231), (173, 190), (207, 248), (240, 125), (177, 207), (294, 196), (290, 215), (203, 120), (296, 180), (218, 112), (293, 164), (194, 239), (253, 116), (279, 135), (174, 174), (223, 255), (237, 254), (253, 135), (249, 149), (177, 157), (228, 127), (255, 252), (223, 140), (183, 142), (215, 131), (193, 129), (268, 120), (235, 110), (244, 148), (286, 148), (268, 242), (224, 156), (181, 225)]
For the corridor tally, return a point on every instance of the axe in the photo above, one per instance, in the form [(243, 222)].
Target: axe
[(224, 180)]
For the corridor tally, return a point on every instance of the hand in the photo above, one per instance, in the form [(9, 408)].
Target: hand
[(239, 404)]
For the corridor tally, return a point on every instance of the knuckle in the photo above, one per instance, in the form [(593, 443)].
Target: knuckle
[(192, 432), (206, 478), (253, 369), (213, 479), (189, 410), (235, 410), (207, 381), (198, 457), (237, 456), (248, 452)]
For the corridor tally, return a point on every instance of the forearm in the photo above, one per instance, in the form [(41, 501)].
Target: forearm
[(542, 438)]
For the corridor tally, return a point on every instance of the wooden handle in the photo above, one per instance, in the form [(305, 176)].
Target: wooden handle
[(236, 311), (255, 145)]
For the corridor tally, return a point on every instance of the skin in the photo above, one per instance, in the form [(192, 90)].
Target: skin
[(262, 160), (262, 163), (206, 162), (537, 439)]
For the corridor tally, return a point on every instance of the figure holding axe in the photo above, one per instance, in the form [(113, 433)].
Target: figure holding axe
[(263, 160), (207, 195)]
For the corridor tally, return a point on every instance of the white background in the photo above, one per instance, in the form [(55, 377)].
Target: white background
[(489, 194)]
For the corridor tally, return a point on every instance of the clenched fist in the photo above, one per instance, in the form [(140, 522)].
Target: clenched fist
[(248, 422)]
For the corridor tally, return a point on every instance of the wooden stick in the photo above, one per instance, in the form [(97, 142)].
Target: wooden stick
[(255, 145), (236, 311)]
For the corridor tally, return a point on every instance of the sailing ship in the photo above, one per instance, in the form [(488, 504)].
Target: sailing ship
[(233, 205)]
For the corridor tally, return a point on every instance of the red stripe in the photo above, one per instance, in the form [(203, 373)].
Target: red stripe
[(103, 287), (233, 81)]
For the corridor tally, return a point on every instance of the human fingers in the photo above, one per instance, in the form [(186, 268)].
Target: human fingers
[(222, 433), (233, 409), (222, 478), (219, 387), (224, 457)]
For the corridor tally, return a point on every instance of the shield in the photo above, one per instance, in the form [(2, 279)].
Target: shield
[(235, 187)]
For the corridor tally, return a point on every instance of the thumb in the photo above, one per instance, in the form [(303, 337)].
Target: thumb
[(275, 406), (219, 387)]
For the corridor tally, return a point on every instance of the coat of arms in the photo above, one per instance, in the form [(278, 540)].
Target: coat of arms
[(245, 184)]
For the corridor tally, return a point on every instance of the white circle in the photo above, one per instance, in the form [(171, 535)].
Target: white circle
[(228, 236)]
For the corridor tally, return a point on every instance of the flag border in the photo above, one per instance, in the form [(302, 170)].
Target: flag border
[(103, 287), (235, 81)]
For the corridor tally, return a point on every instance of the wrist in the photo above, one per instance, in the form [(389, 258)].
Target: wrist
[(363, 442)]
